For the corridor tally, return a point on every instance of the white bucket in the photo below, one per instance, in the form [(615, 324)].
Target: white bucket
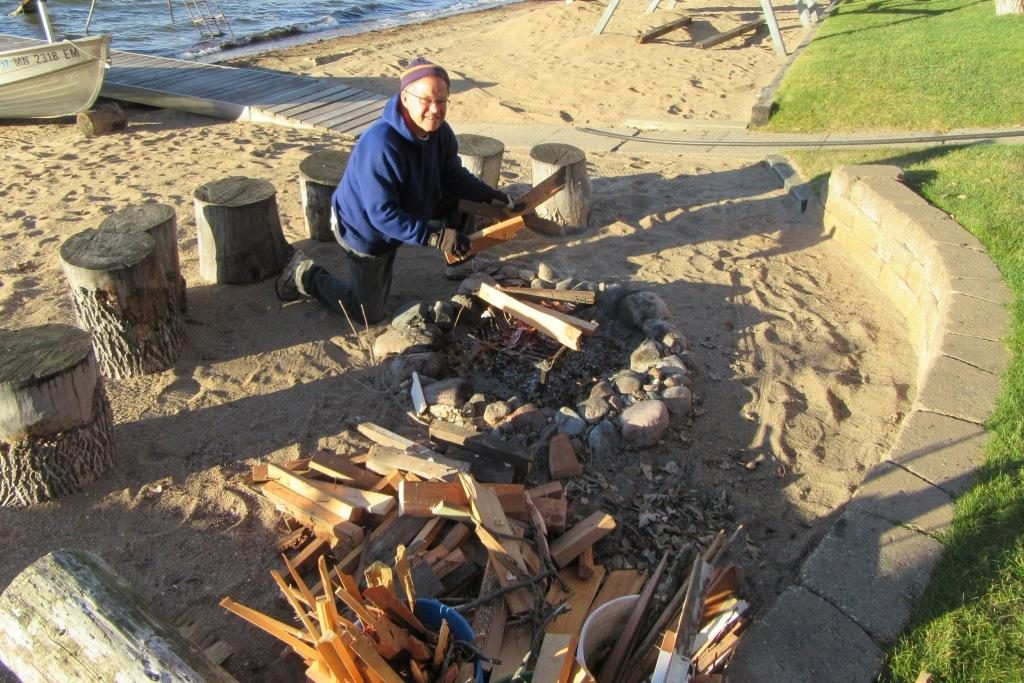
[(602, 629)]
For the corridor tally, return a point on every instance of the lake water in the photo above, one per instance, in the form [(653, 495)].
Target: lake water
[(146, 25)]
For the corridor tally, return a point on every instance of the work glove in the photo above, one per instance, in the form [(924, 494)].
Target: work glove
[(451, 241)]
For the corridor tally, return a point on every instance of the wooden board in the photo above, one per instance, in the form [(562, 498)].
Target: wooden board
[(383, 460), (555, 327), (418, 498), (555, 658), (580, 596), (344, 470), (481, 444), (570, 295), (586, 533), (344, 501), (617, 584), (322, 520)]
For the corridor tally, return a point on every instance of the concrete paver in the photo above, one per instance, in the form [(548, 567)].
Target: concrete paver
[(941, 449), (957, 389), (804, 639), (891, 492), (872, 570)]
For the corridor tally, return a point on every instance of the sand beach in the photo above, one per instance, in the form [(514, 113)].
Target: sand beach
[(802, 373)]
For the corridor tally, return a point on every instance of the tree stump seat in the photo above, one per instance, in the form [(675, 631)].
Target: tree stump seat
[(239, 231), (120, 293), (481, 156), (571, 207), (319, 175), (56, 426), (159, 222)]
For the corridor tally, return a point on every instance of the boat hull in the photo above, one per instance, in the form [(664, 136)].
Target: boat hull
[(52, 79)]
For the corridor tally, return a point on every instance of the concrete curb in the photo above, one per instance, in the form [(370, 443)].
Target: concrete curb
[(874, 564)]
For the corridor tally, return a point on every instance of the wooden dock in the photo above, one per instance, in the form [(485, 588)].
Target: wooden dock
[(232, 93)]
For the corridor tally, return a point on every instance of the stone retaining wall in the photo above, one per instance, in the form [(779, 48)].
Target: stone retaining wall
[(856, 590)]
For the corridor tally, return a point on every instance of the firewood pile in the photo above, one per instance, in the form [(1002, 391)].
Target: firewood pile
[(402, 566)]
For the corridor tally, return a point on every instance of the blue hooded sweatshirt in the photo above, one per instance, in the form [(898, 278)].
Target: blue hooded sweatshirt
[(394, 180)]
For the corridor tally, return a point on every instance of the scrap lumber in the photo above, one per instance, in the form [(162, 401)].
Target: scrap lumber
[(484, 470), (557, 652), (553, 511), (310, 553), (389, 534), (292, 637), (613, 663), (552, 489), (562, 460), (658, 31), (542, 191), (343, 470), (579, 593), (587, 326), (583, 535), (515, 647), (386, 437), (585, 564), (345, 501), (555, 327), (498, 213), (481, 444), (617, 584), (416, 499), (730, 34), (383, 459), (571, 295), (312, 514), (490, 236), (489, 620)]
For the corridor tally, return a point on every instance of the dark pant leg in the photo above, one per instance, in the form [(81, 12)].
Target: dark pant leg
[(366, 291)]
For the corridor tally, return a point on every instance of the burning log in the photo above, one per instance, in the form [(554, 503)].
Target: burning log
[(564, 328)]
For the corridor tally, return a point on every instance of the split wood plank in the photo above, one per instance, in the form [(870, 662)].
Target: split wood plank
[(606, 17), (581, 296), (344, 501), (389, 534), (542, 191), (385, 599), (553, 326), (555, 653), (417, 499), (364, 649), (322, 520), (587, 326), (491, 236), (580, 594), (386, 437), (481, 444), (532, 220), (658, 31), (585, 564), (383, 459), (343, 469), (515, 647), (292, 637), (312, 551), (582, 535), (551, 489), (489, 619), (619, 583)]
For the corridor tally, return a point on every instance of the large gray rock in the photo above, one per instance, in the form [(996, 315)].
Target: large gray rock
[(427, 363), (453, 392), (594, 409), (644, 423), (678, 400), (413, 315), (608, 301), (472, 283), (569, 422), (528, 417), (636, 308), (548, 274), (602, 389), (409, 340), (603, 440), (645, 356), (629, 382)]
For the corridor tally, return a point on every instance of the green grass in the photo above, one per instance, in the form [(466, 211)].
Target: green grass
[(969, 625), (907, 65)]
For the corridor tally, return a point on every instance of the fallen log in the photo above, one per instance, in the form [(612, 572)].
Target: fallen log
[(69, 617)]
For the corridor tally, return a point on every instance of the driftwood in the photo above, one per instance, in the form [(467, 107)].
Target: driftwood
[(240, 237), (571, 207), (56, 426), (120, 293), (106, 118), (159, 222), (319, 175), (70, 617)]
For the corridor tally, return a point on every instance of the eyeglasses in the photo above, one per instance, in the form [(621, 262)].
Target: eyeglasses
[(428, 102)]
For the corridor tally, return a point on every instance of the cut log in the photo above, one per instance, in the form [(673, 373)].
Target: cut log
[(555, 327), (239, 230), (584, 534), (658, 31), (70, 617), (159, 222), (120, 293), (56, 426), (481, 156), (319, 175), (106, 118), (571, 207)]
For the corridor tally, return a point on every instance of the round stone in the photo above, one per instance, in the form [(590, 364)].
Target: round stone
[(413, 315), (428, 363), (603, 440), (409, 340), (639, 307), (547, 273), (569, 422), (644, 423), (495, 412), (679, 401), (448, 392), (628, 382), (593, 410)]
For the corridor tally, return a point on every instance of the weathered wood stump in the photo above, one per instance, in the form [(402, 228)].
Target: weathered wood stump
[(56, 427), (159, 222), (319, 175), (482, 156), (121, 295), (70, 617), (105, 118), (240, 238), (571, 207)]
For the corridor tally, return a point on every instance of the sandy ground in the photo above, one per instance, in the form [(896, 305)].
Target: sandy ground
[(801, 370)]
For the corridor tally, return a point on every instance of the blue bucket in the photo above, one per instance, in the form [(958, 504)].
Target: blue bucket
[(433, 612)]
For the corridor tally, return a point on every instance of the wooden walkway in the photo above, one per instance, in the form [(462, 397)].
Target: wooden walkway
[(233, 93)]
